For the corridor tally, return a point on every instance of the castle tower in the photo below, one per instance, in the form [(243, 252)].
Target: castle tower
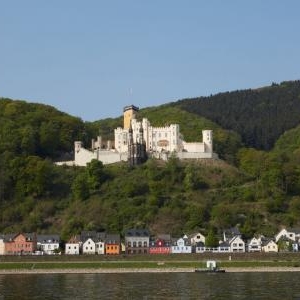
[(136, 149), (129, 113), (77, 146), (207, 136)]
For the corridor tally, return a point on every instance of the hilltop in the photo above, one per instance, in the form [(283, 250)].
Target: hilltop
[(255, 185)]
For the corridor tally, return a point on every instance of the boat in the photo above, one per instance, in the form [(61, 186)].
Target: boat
[(204, 270), (211, 267)]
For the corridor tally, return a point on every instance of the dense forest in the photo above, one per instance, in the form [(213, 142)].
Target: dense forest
[(259, 116), (249, 187)]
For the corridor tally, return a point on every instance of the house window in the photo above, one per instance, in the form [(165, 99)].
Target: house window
[(134, 244), (145, 244), (129, 244), (140, 244)]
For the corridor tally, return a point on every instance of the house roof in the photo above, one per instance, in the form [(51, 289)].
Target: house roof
[(11, 236), (48, 238), (164, 237), (295, 230), (231, 232), (234, 238), (224, 244), (193, 235), (266, 241), (112, 239), (200, 244), (137, 233), (94, 235), (74, 240)]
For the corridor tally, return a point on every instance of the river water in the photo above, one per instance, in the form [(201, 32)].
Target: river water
[(146, 286)]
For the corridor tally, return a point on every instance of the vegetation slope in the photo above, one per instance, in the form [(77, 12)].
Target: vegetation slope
[(254, 189)]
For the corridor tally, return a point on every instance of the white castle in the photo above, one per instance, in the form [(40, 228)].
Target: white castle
[(160, 142)]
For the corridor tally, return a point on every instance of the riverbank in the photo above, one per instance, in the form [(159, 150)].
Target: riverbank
[(141, 270)]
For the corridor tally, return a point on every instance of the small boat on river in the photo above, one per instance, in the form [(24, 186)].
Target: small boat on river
[(211, 267)]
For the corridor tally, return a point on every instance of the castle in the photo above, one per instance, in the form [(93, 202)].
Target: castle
[(138, 138)]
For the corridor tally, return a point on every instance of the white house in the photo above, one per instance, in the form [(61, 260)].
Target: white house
[(292, 234), (2, 245), (237, 244), (197, 238), (48, 243), (73, 246), (254, 245), (100, 247), (269, 245), (89, 246), (200, 247), (181, 245), (224, 247)]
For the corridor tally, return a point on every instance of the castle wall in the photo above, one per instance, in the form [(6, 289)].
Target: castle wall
[(160, 142), (194, 147)]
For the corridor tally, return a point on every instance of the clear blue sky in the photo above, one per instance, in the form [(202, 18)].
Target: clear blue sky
[(91, 58)]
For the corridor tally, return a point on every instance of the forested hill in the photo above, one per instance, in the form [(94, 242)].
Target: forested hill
[(256, 190), (37, 129), (259, 116)]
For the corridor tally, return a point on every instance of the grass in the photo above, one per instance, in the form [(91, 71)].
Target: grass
[(161, 262)]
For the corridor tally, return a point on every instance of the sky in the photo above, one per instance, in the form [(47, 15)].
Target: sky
[(91, 58)]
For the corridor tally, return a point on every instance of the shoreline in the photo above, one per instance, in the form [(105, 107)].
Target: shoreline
[(141, 270)]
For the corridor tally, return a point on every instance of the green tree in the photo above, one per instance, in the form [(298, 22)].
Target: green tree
[(80, 186), (211, 239), (96, 174)]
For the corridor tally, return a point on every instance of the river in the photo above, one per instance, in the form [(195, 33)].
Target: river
[(146, 286)]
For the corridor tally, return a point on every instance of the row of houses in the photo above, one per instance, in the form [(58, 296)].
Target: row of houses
[(139, 241)]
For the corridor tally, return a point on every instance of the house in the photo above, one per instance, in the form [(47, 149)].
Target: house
[(92, 242), (254, 245), (88, 246), (100, 243), (230, 233), (269, 245), (285, 244), (112, 244), (48, 243), (182, 245), (72, 246), (137, 241), (200, 247), (237, 244), (161, 244), (224, 247), (20, 244), (2, 244), (196, 238), (292, 233), (291, 237)]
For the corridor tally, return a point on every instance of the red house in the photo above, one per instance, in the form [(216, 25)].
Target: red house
[(20, 244), (160, 245)]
